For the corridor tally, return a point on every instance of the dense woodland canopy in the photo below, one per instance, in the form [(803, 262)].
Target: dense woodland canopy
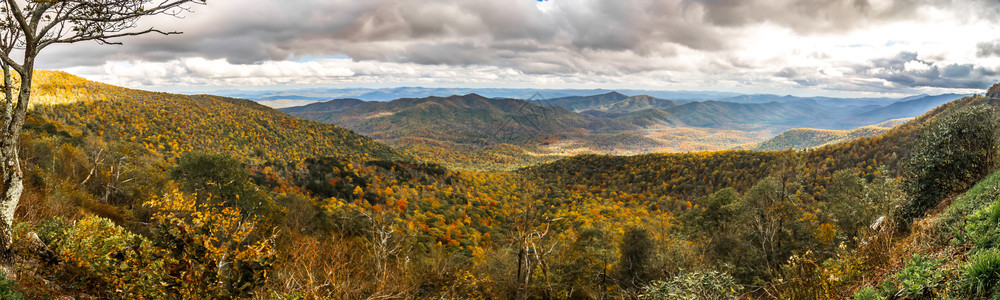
[(144, 195)]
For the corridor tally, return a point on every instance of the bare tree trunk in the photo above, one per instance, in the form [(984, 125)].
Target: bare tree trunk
[(10, 165), (520, 264), (604, 280), (13, 186)]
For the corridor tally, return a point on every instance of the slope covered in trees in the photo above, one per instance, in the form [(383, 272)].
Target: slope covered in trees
[(174, 214), (805, 138), (800, 216), (474, 132), (471, 129), (864, 154), (171, 124)]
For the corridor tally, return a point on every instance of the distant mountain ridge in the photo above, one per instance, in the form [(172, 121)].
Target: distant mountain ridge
[(469, 124), (907, 108), (612, 122), (751, 111), (328, 106), (805, 138), (388, 94)]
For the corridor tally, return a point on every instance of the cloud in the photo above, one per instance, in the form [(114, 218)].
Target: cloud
[(733, 43), (400, 30), (202, 72), (987, 49), (908, 70)]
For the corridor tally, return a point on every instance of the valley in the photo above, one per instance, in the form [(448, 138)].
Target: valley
[(475, 132)]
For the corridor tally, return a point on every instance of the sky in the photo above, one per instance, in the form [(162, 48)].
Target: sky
[(800, 47)]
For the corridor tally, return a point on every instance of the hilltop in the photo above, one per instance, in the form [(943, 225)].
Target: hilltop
[(805, 138), (171, 124)]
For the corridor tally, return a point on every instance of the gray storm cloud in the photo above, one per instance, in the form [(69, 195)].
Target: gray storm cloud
[(987, 49), (896, 70)]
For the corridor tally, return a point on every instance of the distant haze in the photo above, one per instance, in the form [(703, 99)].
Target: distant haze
[(300, 97), (297, 97)]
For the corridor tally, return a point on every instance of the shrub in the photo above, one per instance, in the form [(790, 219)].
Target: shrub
[(694, 285), (982, 227), (216, 251), (981, 274), (636, 250), (919, 277), (53, 230), (8, 288), (112, 259), (868, 293), (956, 152)]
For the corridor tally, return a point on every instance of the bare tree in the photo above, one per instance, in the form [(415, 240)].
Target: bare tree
[(29, 26), (530, 236), (389, 257)]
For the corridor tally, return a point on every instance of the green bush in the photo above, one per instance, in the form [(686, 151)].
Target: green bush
[(694, 285), (8, 288), (868, 293), (53, 230), (219, 178), (954, 153), (636, 250), (981, 274), (919, 277), (982, 227)]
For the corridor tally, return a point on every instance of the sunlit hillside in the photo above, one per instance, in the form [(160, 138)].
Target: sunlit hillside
[(171, 124)]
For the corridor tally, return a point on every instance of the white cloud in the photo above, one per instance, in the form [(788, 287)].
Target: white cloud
[(915, 65)]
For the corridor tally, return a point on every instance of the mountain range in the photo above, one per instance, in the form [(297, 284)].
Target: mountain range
[(298, 97), (518, 132)]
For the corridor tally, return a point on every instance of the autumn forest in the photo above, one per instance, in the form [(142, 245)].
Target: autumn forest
[(128, 195), (294, 187)]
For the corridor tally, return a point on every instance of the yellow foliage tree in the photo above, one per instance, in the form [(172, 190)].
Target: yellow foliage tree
[(217, 251)]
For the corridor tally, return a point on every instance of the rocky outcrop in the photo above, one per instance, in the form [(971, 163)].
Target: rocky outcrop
[(994, 91)]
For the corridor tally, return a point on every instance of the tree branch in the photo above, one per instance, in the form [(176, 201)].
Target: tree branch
[(103, 39), (15, 11), (5, 56)]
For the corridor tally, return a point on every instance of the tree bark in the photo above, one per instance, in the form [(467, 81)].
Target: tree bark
[(10, 170)]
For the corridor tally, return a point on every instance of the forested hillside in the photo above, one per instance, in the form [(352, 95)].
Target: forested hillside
[(134, 194), (477, 133), (805, 138), (471, 131), (172, 124)]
